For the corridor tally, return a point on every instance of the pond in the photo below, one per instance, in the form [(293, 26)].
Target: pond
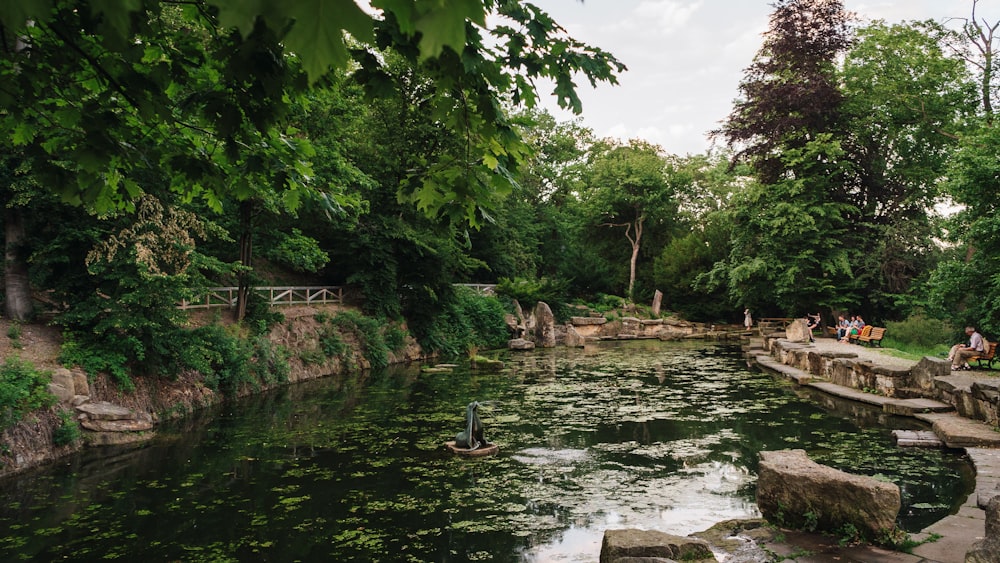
[(650, 435)]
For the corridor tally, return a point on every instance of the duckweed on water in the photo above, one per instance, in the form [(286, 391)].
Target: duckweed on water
[(659, 436)]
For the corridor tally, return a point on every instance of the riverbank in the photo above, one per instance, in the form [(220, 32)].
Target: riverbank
[(926, 390)]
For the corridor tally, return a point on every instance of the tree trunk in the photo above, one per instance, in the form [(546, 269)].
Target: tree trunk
[(635, 256), (246, 259), (17, 304)]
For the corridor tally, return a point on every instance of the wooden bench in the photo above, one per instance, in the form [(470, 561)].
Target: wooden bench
[(989, 357), (874, 336), (865, 331)]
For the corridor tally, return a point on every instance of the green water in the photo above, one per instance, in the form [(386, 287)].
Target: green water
[(649, 435)]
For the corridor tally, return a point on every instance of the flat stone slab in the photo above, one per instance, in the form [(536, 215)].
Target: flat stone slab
[(959, 432), (987, 464), (794, 374), (587, 321), (911, 407), (917, 438), (958, 532), (117, 425), (106, 411)]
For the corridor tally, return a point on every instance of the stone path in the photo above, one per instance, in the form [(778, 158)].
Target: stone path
[(982, 444)]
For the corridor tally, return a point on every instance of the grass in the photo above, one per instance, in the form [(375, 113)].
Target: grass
[(914, 352)]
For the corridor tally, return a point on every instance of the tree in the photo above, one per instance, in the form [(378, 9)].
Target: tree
[(120, 66), (790, 237), (100, 94), (789, 92), (906, 103), (628, 187)]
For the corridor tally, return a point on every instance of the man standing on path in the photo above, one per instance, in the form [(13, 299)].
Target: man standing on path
[(960, 353)]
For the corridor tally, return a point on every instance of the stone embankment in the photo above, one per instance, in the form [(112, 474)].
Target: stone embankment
[(961, 409)]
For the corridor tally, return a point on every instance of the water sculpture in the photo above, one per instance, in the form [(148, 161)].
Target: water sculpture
[(471, 441)]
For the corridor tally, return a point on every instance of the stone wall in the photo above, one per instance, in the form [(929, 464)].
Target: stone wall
[(974, 398)]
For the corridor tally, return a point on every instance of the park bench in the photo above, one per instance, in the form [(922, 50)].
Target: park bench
[(874, 336), (865, 331), (989, 357)]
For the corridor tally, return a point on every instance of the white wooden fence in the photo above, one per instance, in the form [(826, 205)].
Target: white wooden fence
[(226, 296), (303, 295)]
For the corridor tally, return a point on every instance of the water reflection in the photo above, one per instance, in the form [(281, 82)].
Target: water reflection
[(649, 435)]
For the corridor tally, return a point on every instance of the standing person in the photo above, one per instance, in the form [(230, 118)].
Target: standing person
[(960, 353), (747, 319)]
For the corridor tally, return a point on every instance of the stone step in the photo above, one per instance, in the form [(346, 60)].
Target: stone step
[(917, 438), (960, 432)]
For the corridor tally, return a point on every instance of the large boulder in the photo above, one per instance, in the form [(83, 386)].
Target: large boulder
[(649, 545), (987, 550), (794, 491), (545, 326), (657, 302), (798, 331), (573, 338)]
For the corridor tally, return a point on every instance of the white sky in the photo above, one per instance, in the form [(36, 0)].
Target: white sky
[(685, 58)]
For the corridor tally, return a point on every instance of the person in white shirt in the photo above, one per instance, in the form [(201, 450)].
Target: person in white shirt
[(960, 353)]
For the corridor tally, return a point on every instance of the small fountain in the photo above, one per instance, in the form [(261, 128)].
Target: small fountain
[(471, 442)]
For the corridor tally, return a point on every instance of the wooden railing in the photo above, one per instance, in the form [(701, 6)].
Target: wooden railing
[(769, 324), (226, 296), (484, 288)]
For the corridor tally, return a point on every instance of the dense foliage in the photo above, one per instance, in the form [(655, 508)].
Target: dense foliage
[(22, 389), (153, 149)]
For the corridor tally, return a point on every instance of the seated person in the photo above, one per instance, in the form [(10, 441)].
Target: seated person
[(812, 321), (843, 325), (960, 353), (853, 327)]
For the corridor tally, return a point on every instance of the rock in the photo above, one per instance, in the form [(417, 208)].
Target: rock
[(116, 438), (106, 411), (587, 321), (649, 545), (657, 301), (573, 338), (987, 550), (922, 375), (794, 491), (798, 331), (117, 425), (61, 393), (64, 378), (81, 385), (545, 326), (520, 344)]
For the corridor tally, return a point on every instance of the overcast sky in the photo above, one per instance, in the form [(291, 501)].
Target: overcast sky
[(687, 57)]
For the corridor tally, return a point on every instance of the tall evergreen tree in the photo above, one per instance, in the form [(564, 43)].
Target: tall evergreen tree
[(788, 250)]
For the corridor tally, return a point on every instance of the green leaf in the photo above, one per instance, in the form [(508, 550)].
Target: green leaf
[(443, 25), (23, 134), (241, 14), (317, 36), (13, 15), (116, 15)]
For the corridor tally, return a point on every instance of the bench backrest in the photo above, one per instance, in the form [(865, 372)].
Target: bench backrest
[(991, 350), (877, 333)]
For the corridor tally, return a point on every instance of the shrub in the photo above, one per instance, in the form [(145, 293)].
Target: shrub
[(468, 320), (23, 388), (369, 333), (68, 432), (528, 292), (920, 331), (230, 363)]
